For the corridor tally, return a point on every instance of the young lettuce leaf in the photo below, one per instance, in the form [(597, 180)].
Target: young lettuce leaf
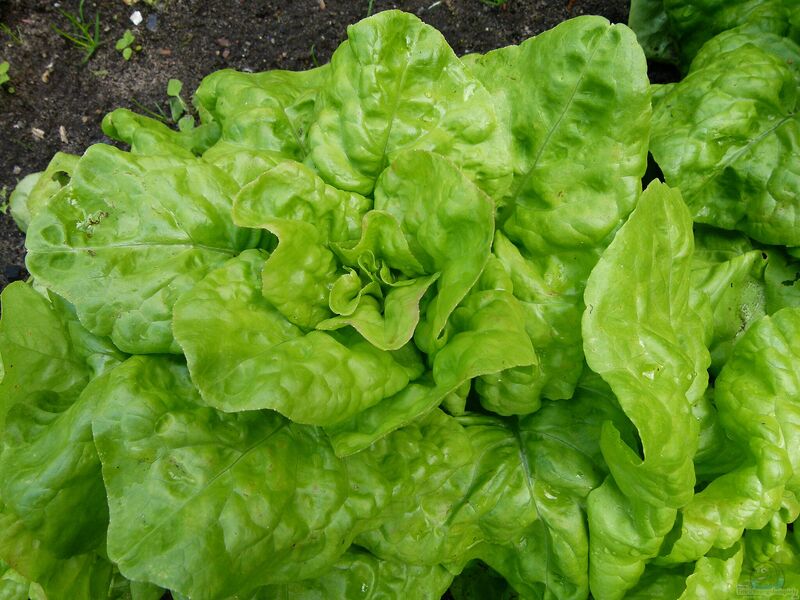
[(395, 84), (643, 336)]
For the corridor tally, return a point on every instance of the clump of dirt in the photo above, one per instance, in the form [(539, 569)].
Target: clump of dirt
[(58, 102)]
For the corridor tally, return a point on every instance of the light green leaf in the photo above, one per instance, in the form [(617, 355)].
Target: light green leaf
[(13, 586), (485, 335), (756, 396), (132, 234), (262, 111), (317, 378), (35, 190), (211, 504), (516, 505), (642, 335), (579, 147), (782, 281), (448, 223), (715, 575), (359, 574), (391, 326), (152, 137), (174, 87), (304, 214), (395, 84), (292, 191)]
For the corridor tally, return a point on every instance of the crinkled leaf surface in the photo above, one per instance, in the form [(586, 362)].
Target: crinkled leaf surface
[(262, 111), (49, 470), (448, 223), (359, 574), (574, 180), (396, 84), (131, 234), (304, 214), (292, 192), (696, 21), (211, 504), (318, 377), (728, 137), (756, 395), (517, 505), (650, 21), (151, 137), (485, 336)]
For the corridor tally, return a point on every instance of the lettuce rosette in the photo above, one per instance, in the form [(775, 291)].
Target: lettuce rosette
[(406, 325)]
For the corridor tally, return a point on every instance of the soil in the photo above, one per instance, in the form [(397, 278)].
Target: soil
[(58, 102)]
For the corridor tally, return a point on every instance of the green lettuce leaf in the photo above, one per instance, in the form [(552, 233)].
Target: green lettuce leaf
[(268, 111), (49, 471), (696, 21), (395, 84), (82, 576), (359, 574), (212, 504), (13, 586), (574, 180), (650, 21), (448, 223), (643, 336), (727, 135), (517, 504), (730, 273), (304, 214), (35, 191), (290, 191), (152, 137), (124, 241), (755, 395), (485, 335), (37, 353), (318, 377)]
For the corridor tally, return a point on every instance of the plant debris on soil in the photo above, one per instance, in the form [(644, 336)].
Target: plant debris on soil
[(58, 101)]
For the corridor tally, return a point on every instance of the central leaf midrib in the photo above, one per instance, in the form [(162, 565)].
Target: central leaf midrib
[(158, 526), (132, 245), (395, 108), (517, 193)]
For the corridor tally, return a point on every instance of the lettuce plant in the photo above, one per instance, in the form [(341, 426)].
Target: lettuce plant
[(407, 323)]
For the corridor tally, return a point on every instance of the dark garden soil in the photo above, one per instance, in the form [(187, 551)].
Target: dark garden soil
[(58, 102)]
